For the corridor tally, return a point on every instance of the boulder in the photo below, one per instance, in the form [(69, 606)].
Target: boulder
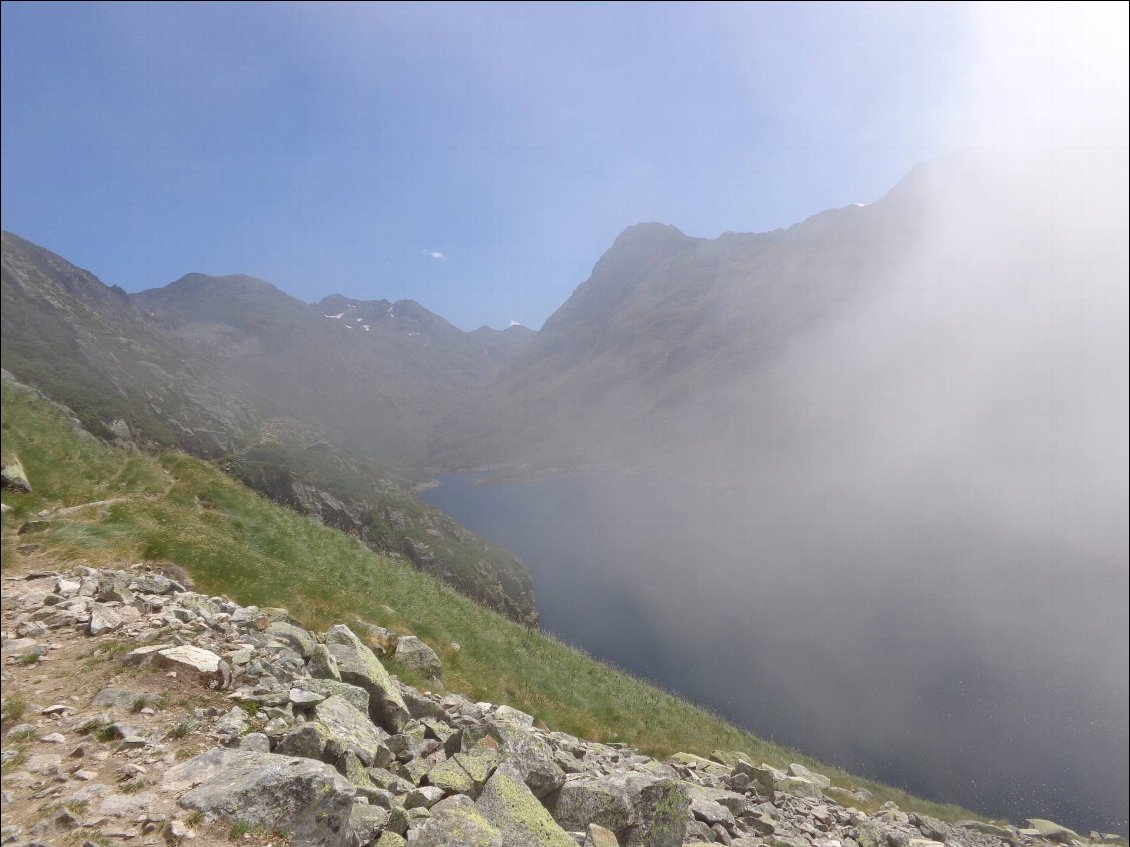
[(360, 667), (598, 836), (351, 730), (188, 658), (525, 749), (522, 821), (417, 656), (103, 619), (13, 476), (1053, 831), (295, 637), (643, 809), (322, 665), (307, 799), (457, 822), (306, 741), (357, 697), (365, 824)]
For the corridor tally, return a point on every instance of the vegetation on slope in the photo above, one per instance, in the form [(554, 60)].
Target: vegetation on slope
[(172, 507)]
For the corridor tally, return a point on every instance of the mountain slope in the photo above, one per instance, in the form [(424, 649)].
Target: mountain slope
[(711, 342), (175, 509), (373, 374), (90, 347), (87, 343)]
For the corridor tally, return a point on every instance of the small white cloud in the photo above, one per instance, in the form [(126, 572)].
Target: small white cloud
[(434, 254), (515, 323)]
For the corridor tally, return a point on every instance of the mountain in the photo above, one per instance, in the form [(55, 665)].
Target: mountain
[(372, 374), (691, 351), (207, 378), (88, 344)]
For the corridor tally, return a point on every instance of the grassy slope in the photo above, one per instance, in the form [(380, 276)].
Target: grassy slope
[(238, 543)]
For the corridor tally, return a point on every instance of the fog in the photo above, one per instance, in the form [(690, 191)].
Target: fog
[(899, 541)]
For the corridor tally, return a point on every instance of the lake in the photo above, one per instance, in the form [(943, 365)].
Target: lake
[(933, 651)]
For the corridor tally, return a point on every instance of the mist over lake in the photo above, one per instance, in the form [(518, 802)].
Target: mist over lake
[(919, 647)]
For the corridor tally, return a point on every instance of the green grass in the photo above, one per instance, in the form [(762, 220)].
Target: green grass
[(15, 704), (256, 552)]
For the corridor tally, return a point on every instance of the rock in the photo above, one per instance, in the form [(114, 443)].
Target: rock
[(352, 730), (323, 665), (598, 836), (425, 797), (143, 655), (986, 829), (116, 698), (383, 641), (450, 778), (103, 619), (128, 805), (522, 821), (300, 697), (804, 773), (391, 839), (360, 667), (644, 810), (188, 658), (256, 742), (414, 654), (358, 698), (295, 637), (307, 799), (306, 741), (13, 476), (1053, 831), (930, 827), (532, 755), (509, 714), (364, 824), (707, 809), (457, 822)]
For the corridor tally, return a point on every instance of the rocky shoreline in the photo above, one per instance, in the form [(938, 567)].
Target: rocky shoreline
[(140, 712)]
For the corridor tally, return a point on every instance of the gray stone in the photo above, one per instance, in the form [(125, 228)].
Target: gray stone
[(352, 730), (322, 664), (598, 836), (307, 799), (365, 823), (414, 654), (256, 742), (357, 697), (706, 808), (300, 697), (1053, 831), (425, 797), (307, 741), (103, 619), (360, 667), (116, 698), (643, 809), (511, 807), (13, 476), (456, 822), (188, 658), (128, 805), (804, 773), (298, 639)]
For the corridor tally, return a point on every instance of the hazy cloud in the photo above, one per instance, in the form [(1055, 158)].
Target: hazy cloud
[(434, 254)]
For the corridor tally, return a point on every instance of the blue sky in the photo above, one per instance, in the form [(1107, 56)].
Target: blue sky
[(476, 158)]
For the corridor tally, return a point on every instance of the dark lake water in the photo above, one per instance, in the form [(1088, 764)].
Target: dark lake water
[(926, 650)]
